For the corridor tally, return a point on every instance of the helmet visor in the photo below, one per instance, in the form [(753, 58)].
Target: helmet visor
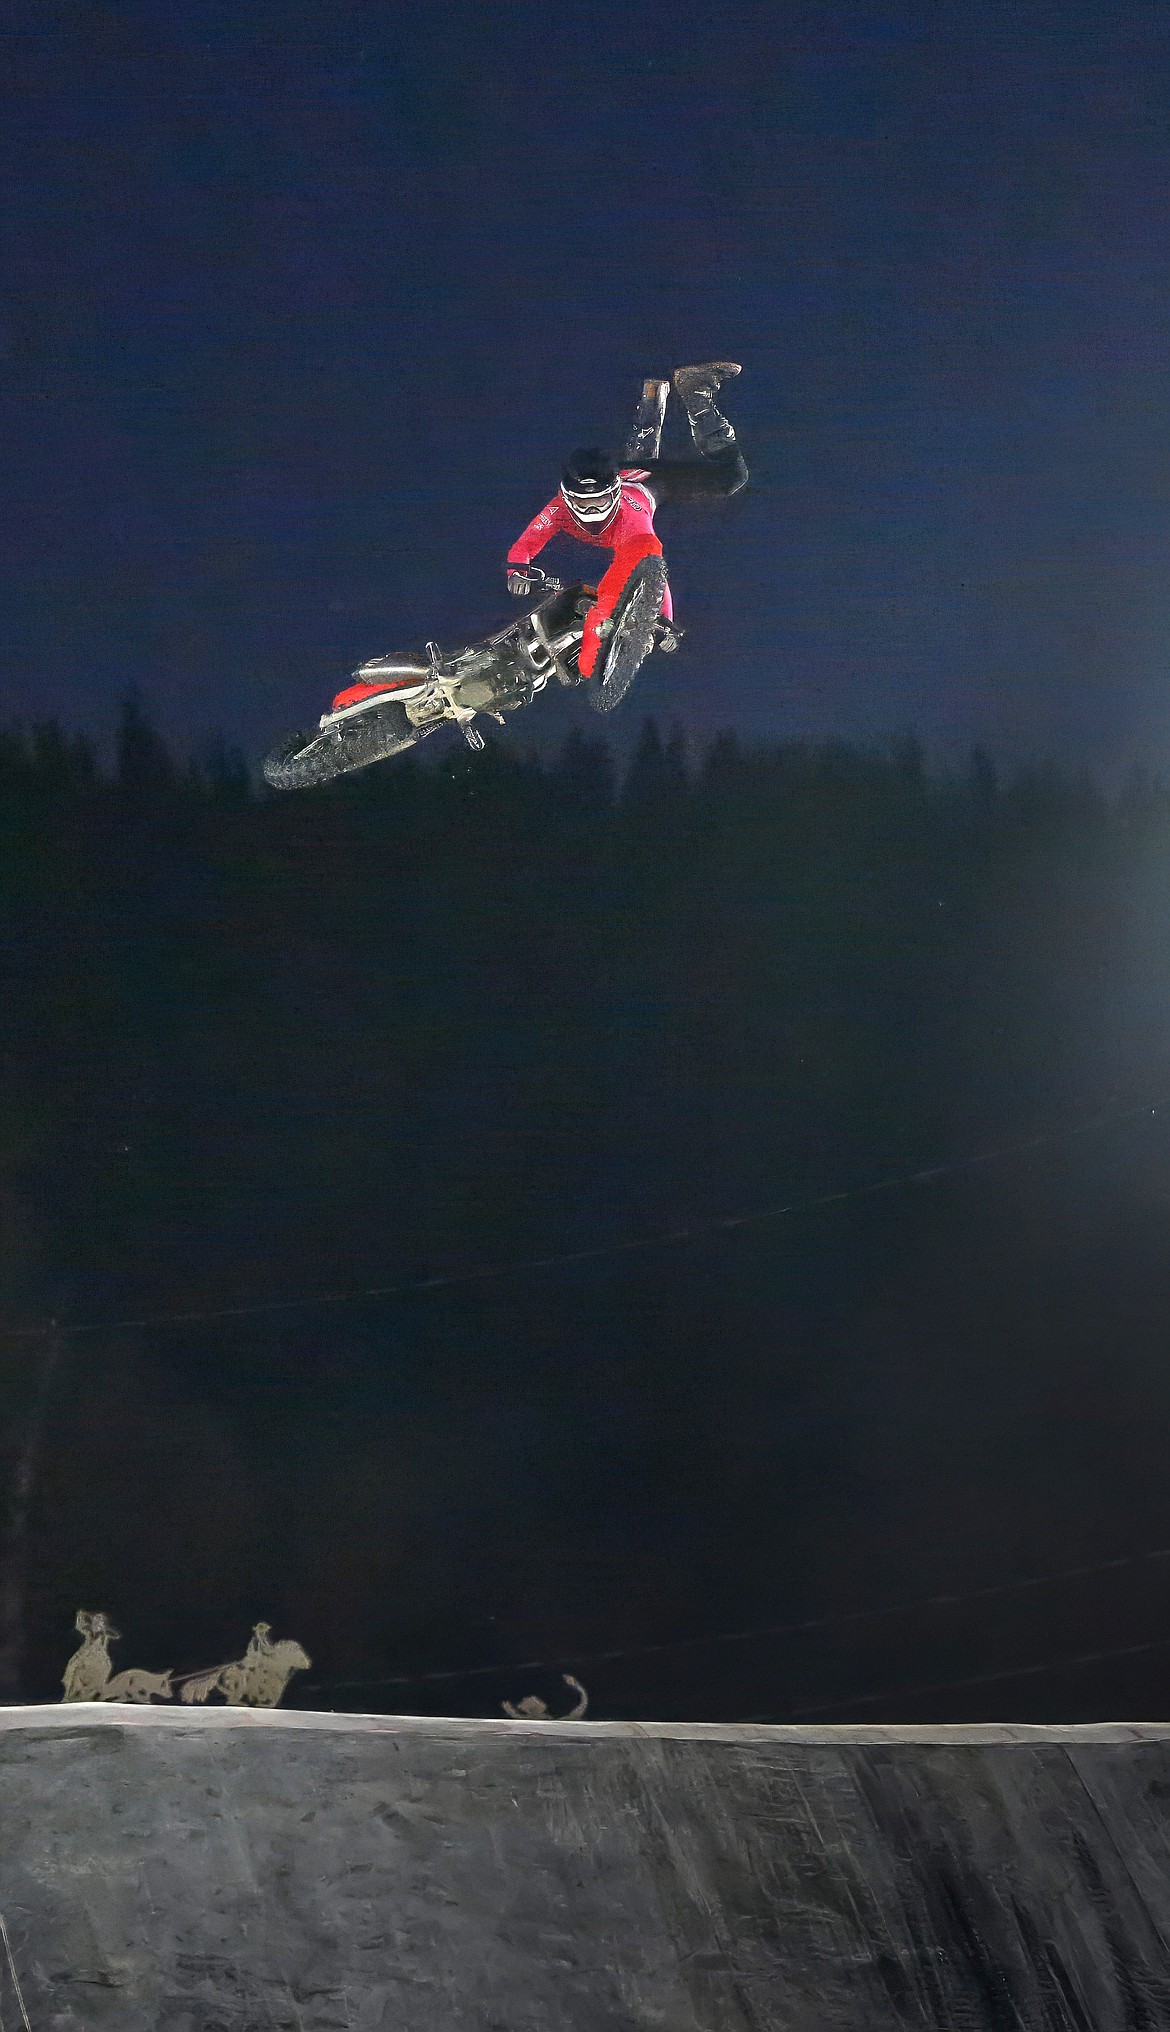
[(595, 507)]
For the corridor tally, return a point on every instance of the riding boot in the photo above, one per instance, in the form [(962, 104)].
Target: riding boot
[(645, 437), (698, 387)]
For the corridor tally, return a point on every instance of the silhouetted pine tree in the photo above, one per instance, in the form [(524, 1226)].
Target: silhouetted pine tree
[(144, 764)]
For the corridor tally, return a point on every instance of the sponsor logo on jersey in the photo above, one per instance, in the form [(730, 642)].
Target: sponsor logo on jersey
[(638, 497)]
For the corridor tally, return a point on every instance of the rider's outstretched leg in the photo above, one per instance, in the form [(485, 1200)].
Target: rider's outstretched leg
[(646, 435), (719, 469)]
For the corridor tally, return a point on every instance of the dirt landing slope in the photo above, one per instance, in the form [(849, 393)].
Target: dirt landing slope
[(232, 1872)]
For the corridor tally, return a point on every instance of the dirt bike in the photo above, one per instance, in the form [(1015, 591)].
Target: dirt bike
[(417, 694)]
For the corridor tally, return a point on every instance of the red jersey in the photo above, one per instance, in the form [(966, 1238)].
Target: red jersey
[(632, 521)]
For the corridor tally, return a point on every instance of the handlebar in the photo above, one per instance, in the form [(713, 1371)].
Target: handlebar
[(549, 584)]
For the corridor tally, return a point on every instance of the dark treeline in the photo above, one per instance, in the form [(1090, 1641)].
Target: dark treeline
[(472, 1011)]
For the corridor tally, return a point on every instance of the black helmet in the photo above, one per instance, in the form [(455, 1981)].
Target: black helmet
[(591, 486)]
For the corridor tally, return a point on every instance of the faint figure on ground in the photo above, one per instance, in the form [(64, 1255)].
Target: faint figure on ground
[(88, 1671), (87, 1674), (140, 1687), (258, 1679), (533, 1709)]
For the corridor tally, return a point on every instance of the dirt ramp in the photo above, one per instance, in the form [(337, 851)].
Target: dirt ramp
[(233, 1872)]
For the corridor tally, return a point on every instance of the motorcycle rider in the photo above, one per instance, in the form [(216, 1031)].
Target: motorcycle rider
[(612, 505)]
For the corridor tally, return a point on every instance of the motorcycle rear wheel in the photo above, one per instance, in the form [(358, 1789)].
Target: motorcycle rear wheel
[(317, 755), (631, 636)]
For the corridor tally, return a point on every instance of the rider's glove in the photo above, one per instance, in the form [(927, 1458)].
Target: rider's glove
[(524, 578)]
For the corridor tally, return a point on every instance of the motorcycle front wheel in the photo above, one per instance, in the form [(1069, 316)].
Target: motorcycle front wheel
[(631, 636)]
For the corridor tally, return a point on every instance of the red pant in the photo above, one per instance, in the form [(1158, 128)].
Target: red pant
[(609, 593)]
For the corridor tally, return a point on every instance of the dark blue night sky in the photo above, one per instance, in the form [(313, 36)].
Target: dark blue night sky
[(301, 304)]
